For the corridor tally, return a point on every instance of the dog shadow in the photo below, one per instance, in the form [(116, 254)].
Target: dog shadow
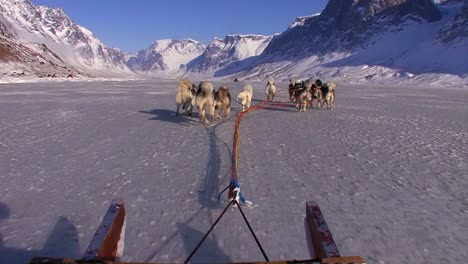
[(211, 183), (257, 100), (62, 243), (166, 115), (209, 252)]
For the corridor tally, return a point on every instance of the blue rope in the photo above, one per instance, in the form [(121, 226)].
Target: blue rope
[(234, 184), (225, 189)]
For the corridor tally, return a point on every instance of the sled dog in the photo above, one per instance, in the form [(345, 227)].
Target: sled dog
[(270, 90), (185, 96), (204, 99), (245, 97), (222, 99)]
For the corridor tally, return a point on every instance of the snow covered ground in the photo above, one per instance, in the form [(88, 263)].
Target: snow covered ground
[(388, 167)]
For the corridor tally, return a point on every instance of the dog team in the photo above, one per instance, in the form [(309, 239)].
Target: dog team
[(218, 102), (204, 96), (304, 93)]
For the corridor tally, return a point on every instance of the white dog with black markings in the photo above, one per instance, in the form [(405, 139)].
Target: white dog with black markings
[(245, 97)]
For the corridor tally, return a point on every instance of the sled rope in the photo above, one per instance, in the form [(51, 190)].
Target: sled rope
[(207, 233), (232, 202), (235, 145), (235, 195), (251, 230)]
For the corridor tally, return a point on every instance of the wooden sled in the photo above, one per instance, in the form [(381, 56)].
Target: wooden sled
[(106, 247)]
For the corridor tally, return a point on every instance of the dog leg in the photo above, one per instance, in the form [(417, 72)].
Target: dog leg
[(178, 107), (227, 111), (202, 113), (212, 113), (189, 110)]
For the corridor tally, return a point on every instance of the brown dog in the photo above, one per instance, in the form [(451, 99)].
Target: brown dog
[(222, 102)]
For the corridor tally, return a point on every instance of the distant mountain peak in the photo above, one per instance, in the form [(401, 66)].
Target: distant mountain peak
[(76, 45), (166, 56), (234, 47), (301, 20)]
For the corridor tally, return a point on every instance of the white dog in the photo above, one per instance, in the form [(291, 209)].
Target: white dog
[(205, 98), (270, 90), (245, 97), (185, 96), (330, 96)]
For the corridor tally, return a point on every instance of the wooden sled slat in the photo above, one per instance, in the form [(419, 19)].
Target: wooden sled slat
[(322, 239), (108, 241), (341, 260)]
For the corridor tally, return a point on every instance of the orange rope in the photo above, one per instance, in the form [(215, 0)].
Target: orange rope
[(235, 144)]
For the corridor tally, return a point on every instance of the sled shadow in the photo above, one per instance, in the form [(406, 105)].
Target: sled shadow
[(62, 243), (209, 252)]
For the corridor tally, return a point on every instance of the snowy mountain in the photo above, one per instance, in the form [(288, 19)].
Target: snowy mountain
[(74, 44), (30, 59), (166, 57), (24, 60), (369, 40), (345, 24), (457, 28), (350, 40), (221, 52), (301, 20)]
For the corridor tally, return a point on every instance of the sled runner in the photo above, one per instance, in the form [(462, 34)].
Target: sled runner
[(107, 244)]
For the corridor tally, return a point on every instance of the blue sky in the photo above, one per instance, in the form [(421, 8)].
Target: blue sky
[(133, 25)]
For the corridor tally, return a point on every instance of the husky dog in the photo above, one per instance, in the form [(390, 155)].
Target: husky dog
[(245, 97), (222, 101), (316, 95), (185, 96), (331, 87), (270, 90), (298, 89), (328, 93), (291, 89), (304, 100), (205, 98)]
